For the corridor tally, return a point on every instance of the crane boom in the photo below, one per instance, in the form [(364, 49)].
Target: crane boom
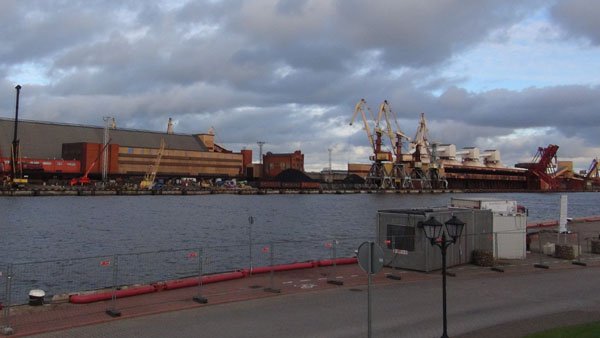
[(422, 131), (592, 170), (542, 165), (360, 107), (395, 137), (148, 181), (85, 179)]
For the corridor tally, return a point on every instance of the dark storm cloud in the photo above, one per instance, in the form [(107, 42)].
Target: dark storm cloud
[(579, 18), (420, 33), (251, 42), (563, 107), (39, 29)]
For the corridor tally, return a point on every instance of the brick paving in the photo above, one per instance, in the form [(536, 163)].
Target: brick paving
[(27, 320)]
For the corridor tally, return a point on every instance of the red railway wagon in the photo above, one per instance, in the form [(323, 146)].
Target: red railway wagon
[(44, 166)]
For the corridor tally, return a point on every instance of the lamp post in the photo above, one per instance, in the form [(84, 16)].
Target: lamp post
[(435, 233)]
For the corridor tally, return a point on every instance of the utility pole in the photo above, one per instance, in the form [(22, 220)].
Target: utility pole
[(260, 151), (330, 172)]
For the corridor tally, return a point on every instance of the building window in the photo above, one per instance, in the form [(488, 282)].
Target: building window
[(401, 237)]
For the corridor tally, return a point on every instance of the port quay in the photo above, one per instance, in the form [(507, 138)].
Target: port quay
[(97, 253)]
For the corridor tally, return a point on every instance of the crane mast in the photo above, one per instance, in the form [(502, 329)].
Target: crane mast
[(15, 154)]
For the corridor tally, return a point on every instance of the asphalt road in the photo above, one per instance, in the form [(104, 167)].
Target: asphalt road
[(492, 305)]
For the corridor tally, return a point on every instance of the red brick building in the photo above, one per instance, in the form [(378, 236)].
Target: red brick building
[(273, 164)]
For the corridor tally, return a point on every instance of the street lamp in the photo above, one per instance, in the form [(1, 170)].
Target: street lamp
[(433, 229)]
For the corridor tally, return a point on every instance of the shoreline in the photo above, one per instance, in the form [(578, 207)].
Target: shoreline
[(183, 192), (252, 191)]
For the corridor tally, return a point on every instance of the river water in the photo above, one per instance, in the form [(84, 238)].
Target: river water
[(44, 228)]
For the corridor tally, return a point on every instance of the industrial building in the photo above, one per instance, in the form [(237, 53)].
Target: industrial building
[(130, 153), (273, 164)]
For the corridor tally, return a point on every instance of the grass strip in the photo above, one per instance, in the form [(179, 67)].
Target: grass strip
[(590, 330)]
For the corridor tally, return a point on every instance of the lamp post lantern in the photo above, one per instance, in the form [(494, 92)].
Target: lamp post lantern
[(433, 229)]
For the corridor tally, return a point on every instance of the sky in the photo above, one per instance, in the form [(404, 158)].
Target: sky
[(506, 74)]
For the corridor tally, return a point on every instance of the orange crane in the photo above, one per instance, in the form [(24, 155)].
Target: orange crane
[(85, 180)]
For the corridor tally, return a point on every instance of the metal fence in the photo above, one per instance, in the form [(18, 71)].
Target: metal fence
[(497, 250), (58, 277), (549, 247)]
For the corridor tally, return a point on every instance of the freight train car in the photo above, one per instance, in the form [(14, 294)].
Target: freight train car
[(42, 168)]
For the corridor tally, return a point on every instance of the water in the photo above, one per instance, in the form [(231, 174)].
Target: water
[(67, 244), (45, 228)]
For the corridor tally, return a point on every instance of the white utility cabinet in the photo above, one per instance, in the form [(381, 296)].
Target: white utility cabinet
[(509, 224)]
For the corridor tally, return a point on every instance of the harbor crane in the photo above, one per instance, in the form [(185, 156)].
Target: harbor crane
[(421, 156), (148, 180), (420, 142), (378, 175), (544, 167), (400, 177), (427, 169)]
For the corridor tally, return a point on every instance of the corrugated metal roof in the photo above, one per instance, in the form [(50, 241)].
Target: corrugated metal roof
[(45, 139)]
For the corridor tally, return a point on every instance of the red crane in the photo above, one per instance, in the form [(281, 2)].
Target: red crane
[(85, 180), (543, 167)]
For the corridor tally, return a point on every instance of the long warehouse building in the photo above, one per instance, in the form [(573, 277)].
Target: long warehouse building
[(130, 152)]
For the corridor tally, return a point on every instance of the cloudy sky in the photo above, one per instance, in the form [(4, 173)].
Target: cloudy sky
[(506, 75)]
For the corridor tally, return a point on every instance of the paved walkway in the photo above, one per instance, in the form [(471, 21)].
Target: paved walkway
[(309, 293)]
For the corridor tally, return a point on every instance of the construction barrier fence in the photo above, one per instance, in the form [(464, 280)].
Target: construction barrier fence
[(111, 277), (59, 277)]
